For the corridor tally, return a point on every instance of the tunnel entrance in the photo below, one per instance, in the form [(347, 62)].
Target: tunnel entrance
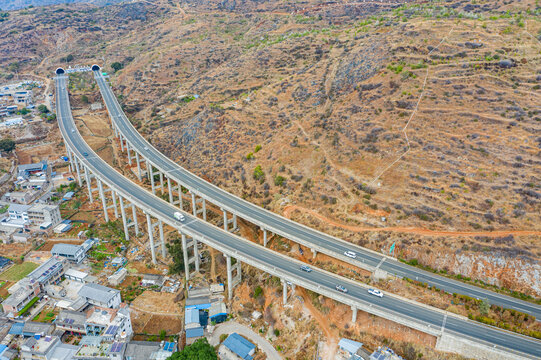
[(95, 68), (60, 71)]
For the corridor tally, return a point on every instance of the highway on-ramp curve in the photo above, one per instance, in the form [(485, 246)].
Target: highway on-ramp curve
[(273, 262), (289, 229)]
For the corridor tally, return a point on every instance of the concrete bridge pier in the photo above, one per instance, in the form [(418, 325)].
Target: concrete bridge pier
[(151, 238), (124, 220), (78, 170), (353, 314), (138, 161), (203, 209), (178, 202), (284, 291), (151, 177), (128, 150), (162, 187), (162, 238), (187, 259), (134, 215), (232, 281), (314, 253), (121, 142), (103, 200), (170, 189), (264, 237), (113, 195), (88, 179), (227, 221)]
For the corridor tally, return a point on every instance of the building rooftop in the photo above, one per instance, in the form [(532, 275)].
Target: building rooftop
[(93, 346), (191, 316), (350, 346), (65, 249), (217, 308), (64, 351), (43, 271), (34, 327), (76, 273), (239, 346), (19, 208), (101, 316), (140, 350), (18, 296), (41, 345), (70, 317), (195, 332), (98, 292)]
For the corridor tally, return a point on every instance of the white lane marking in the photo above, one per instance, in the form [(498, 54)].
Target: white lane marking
[(444, 321)]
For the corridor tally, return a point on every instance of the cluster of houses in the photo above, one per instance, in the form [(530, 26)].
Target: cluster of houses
[(14, 96), (204, 308), (93, 322), (28, 208)]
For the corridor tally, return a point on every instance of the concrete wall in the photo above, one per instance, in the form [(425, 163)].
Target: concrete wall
[(472, 349)]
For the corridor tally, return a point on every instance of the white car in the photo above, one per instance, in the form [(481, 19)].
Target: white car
[(350, 254), (375, 292), (341, 288), (72, 130), (179, 216), (146, 148)]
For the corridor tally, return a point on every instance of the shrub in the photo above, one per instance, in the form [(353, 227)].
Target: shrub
[(258, 292), (279, 180), (259, 174)]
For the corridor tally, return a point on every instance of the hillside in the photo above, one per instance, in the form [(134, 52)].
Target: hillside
[(421, 116), (20, 4)]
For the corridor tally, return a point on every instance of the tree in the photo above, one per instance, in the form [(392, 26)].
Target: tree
[(7, 144), (69, 58), (23, 111), (484, 306), (43, 109), (175, 250), (199, 350), (84, 99), (117, 66), (259, 174), (163, 333)]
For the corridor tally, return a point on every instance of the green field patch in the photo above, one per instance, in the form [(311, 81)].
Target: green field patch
[(19, 271)]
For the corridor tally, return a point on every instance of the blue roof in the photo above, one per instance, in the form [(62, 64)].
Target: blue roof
[(191, 316), (2, 348), (16, 329), (4, 261), (195, 332), (239, 346), (169, 346)]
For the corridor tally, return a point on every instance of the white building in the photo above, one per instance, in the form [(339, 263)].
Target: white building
[(73, 253), (100, 295)]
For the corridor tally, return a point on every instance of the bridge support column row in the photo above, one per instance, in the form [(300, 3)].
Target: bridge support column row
[(227, 221), (232, 281), (353, 314), (189, 260)]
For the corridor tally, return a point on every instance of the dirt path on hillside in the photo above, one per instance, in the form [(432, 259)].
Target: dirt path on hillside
[(289, 209), (323, 321)]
